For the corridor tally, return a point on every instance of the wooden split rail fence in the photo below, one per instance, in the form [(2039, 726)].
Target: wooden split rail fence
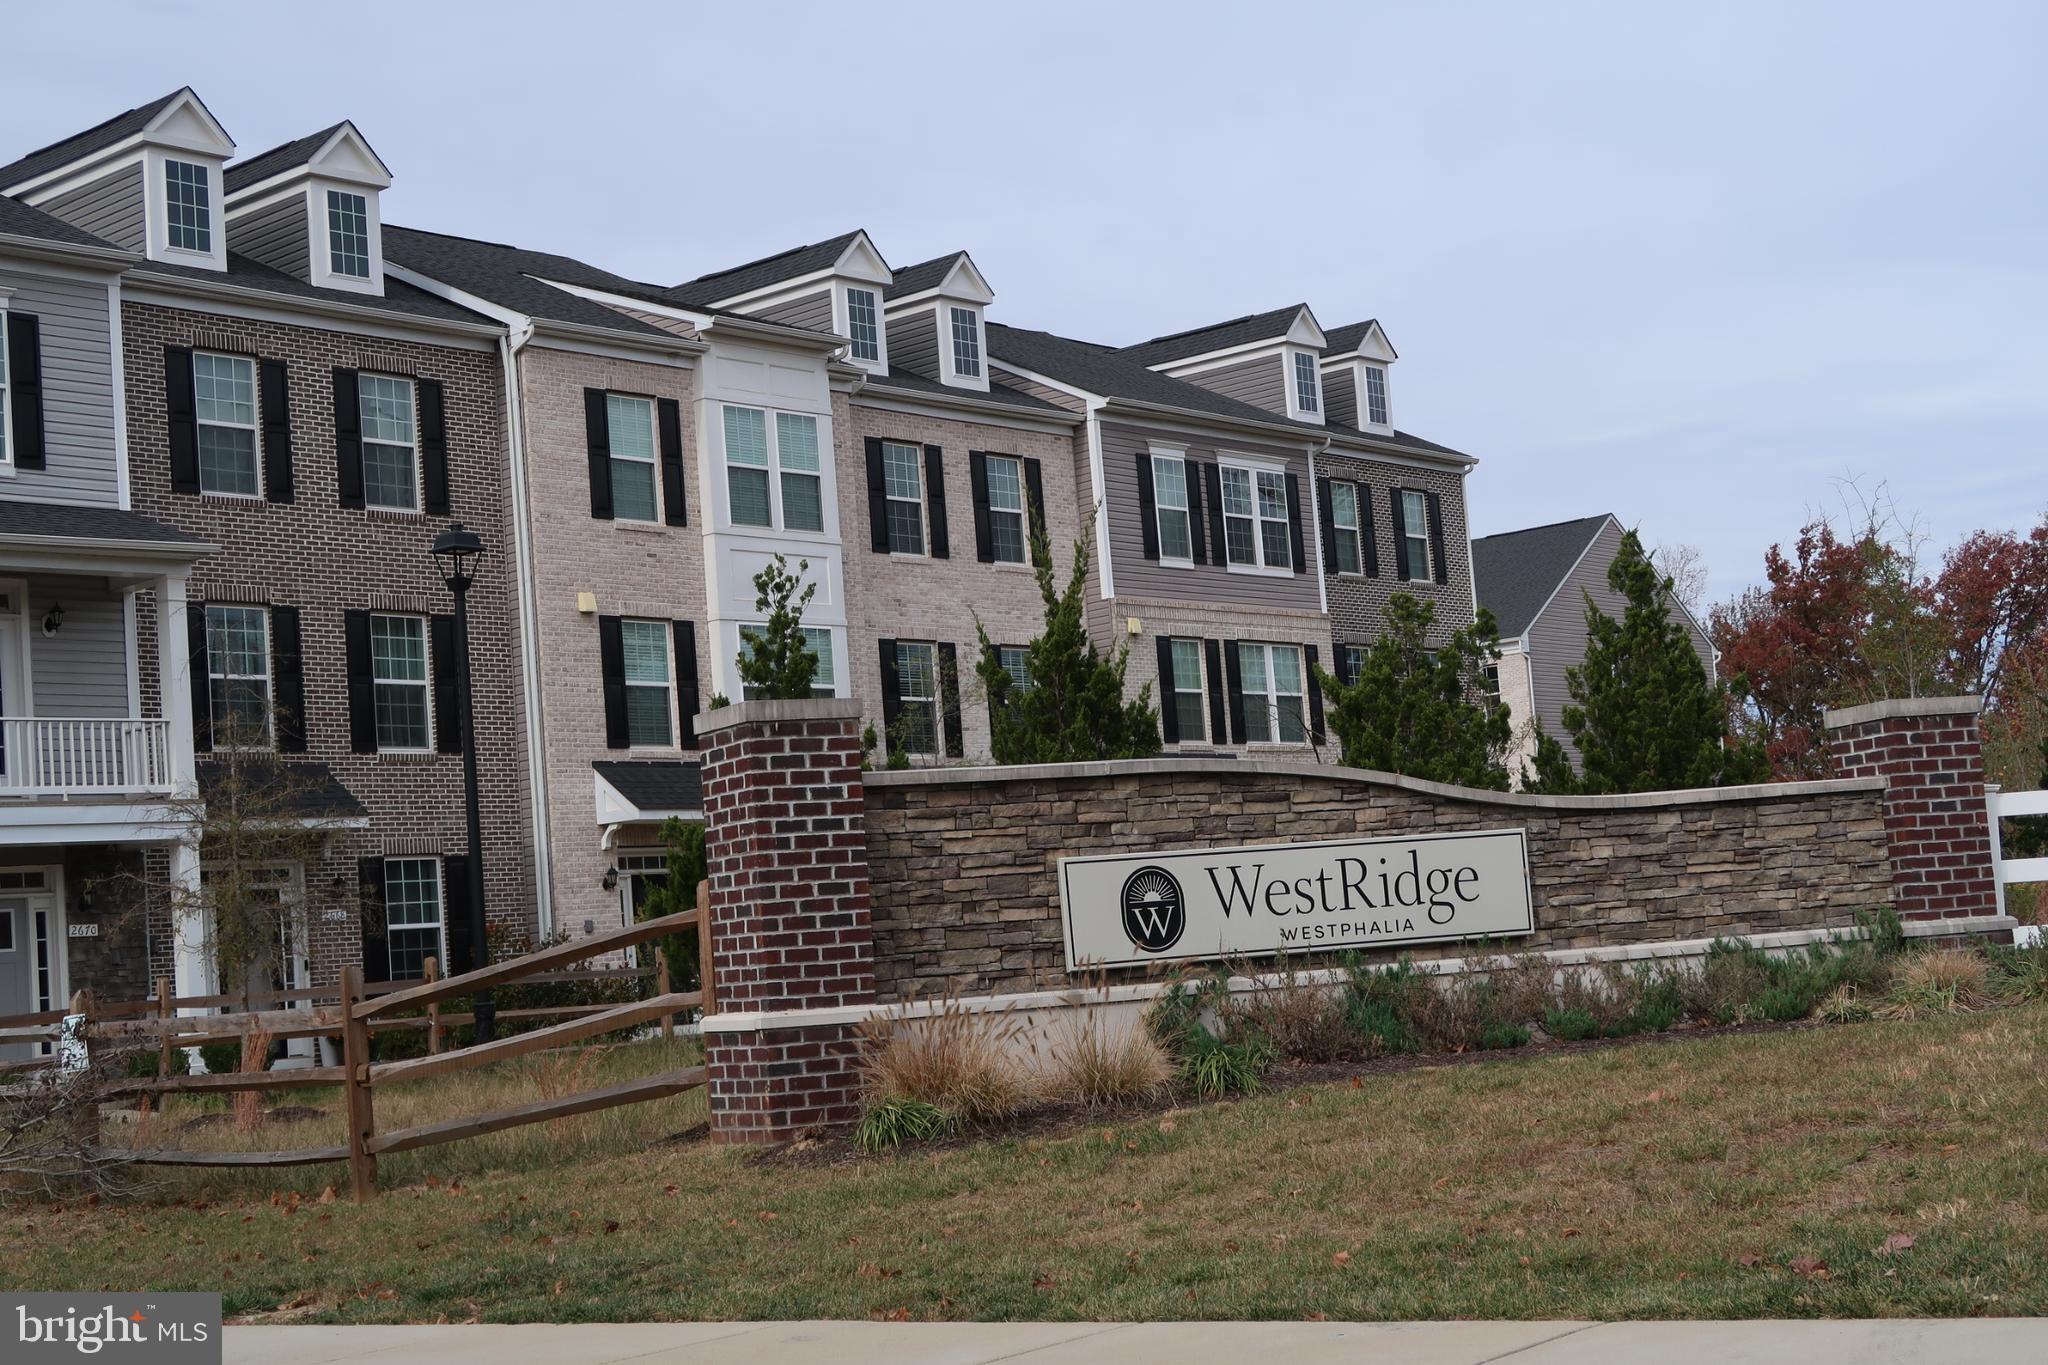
[(356, 1012)]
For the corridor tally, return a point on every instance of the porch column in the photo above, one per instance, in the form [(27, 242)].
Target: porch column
[(174, 681), (191, 963)]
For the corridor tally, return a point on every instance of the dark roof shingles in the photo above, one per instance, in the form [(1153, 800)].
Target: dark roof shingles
[(263, 165), (511, 277), (292, 788), (67, 150), (19, 220), (19, 518), (913, 279), (741, 279), (1516, 572), (655, 786), (1217, 336)]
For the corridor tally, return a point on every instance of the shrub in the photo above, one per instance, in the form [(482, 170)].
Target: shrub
[(956, 1059), (1301, 1018), (1938, 981), (1098, 1059), (891, 1122), (1843, 1006), (1488, 1005), (1381, 1004), (1571, 1023), (1226, 1068), (1499, 1035), (1737, 982), (221, 1058), (1210, 1062), (2018, 974)]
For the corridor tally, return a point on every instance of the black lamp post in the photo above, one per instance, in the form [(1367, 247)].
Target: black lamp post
[(456, 554)]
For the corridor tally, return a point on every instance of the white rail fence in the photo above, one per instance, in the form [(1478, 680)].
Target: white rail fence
[(54, 756), (2005, 805)]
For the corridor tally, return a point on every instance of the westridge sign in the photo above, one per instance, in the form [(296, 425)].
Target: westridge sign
[(1180, 905)]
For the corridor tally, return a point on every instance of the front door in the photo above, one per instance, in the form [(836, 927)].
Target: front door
[(17, 969)]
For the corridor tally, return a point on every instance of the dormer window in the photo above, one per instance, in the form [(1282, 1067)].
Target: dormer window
[(1308, 385), (966, 342), (188, 205), (1376, 395), (864, 325), (348, 234)]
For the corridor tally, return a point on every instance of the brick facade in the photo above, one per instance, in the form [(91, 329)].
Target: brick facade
[(327, 559), (1358, 602), (1928, 753), (785, 848)]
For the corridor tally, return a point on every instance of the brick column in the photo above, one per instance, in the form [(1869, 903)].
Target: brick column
[(786, 845), (1927, 751)]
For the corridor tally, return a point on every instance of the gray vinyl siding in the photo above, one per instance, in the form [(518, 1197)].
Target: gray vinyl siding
[(812, 310), (78, 390), (1136, 576), (1340, 397), (82, 670), (275, 236), (1057, 397), (1557, 637), (110, 207), (1261, 382), (914, 342)]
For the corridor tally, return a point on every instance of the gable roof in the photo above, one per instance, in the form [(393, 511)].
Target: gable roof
[(909, 382), (1346, 339), (915, 279), (1271, 325), (512, 277), (67, 150), (1517, 572), (19, 220), (263, 165), (769, 270), (655, 785)]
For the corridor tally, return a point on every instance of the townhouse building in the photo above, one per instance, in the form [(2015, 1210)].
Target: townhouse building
[(312, 424)]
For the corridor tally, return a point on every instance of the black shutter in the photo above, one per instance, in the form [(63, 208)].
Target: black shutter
[(1034, 487), (1212, 493), (935, 500), (675, 506), (433, 445), (273, 384), (1148, 505), (1233, 668), (1399, 518), (597, 431), (1326, 525), (458, 916), (1436, 536), (1315, 697), (1213, 650), (25, 387), (689, 701), (376, 919), (1294, 528), (1368, 534), (182, 410), (362, 685), (1169, 718), (202, 680), (949, 700), (447, 694), (611, 659), (977, 486), (348, 438), (878, 499), (1340, 662), (288, 680), (1198, 521), (892, 698)]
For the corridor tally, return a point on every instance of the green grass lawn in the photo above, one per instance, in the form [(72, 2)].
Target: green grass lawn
[(1731, 1176)]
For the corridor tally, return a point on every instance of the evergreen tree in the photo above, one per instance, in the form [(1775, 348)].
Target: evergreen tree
[(778, 663), (1074, 707), (675, 892), (1423, 712), (1643, 713)]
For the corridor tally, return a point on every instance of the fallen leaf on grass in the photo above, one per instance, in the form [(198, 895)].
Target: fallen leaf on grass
[(1813, 1267), (1341, 1260), (610, 1226), (668, 1189), (1167, 1125), (893, 1315), (767, 1215), (1896, 1243), (1044, 1282), (1569, 1232), (1749, 1260), (1319, 1315)]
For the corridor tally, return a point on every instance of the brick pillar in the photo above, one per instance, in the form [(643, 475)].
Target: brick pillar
[(786, 844), (1927, 751)]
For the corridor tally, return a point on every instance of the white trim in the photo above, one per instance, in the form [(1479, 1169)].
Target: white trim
[(1179, 455), (842, 323), (131, 647), (7, 462), (156, 192), (1292, 360), (526, 589), (1104, 571), (321, 248), (949, 372), (425, 684), (982, 412), (1254, 465), (114, 340), (1302, 330)]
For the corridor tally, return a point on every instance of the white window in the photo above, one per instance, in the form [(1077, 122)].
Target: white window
[(1274, 700), (917, 697), (818, 639), (752, 462), (224, 397), (650, 702), (391, 457), (1006, 535), (348, 234), (238, 675), (1354, 660), (1255, 524), (631, 423), (398, 669), (1415, 526), (1344, 522), (863, 325), (1308, 385), (1184, 690), (1016, 661), (1170, 498), (1376, 395), (639, 875), (188, 205), (412, 915), (903, 485), (966, 342)]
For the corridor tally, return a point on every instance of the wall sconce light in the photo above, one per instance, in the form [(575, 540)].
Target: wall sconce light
[(53, 619), (340, 883), (611, 879), (85, 902)]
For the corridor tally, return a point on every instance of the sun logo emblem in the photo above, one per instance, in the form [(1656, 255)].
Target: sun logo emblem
[(1154, 914)]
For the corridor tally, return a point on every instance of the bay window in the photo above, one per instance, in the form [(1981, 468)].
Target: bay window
[(774, 474)]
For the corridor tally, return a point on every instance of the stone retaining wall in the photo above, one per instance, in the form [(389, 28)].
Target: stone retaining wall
[(964, 861)]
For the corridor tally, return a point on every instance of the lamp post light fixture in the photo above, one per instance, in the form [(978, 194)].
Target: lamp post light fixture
[(457, 552)]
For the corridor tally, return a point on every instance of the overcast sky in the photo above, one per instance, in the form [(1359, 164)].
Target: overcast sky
[(1692, 265)]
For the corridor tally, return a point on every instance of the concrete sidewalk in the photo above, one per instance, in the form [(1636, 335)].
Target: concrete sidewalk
[(2006, 1341)]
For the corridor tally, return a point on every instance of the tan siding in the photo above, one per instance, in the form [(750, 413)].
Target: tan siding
[(1261, 382), (1340, 397), (914, 342), (74, 319), (82, 670), (812, 310), (110, 207), (275, 236)]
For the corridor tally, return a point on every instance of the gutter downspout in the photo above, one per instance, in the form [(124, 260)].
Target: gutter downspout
[(509, 344), (1315, 516)]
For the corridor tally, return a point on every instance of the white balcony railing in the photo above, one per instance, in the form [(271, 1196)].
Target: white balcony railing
[(51, 757)]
